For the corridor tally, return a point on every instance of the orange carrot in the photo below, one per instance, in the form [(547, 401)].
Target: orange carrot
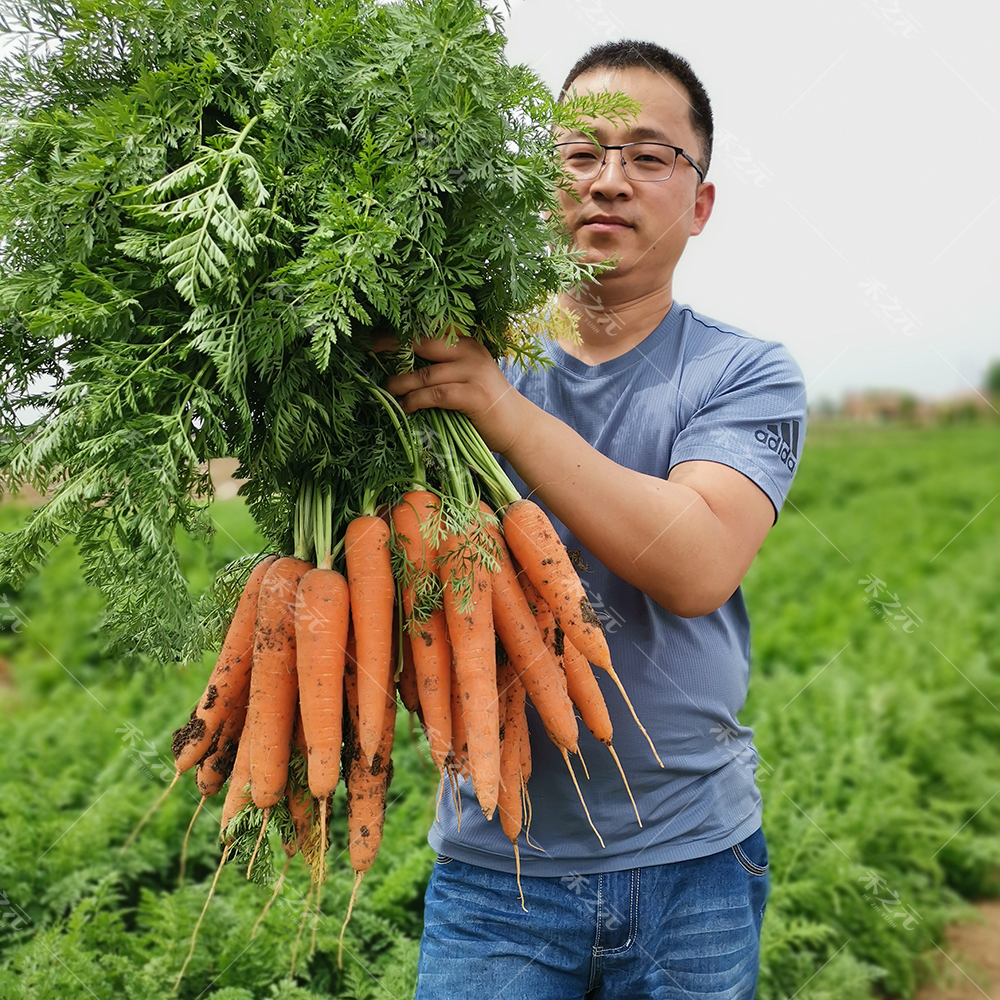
[(519, 632), (274, 688), (367, 781), (509, 800), (229, 681), (300, 805), (322, 618), (530, 535), (537, 547), (511, 693), (525, 748), (470, 628), (407, 683), (416, 522), (298, 798), (588, 698), (585, 692), (322, 622), (459, 760), (237, 795), (432, 658), (215, 768), (373, 594)]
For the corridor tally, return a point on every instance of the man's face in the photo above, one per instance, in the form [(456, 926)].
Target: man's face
[(645, 224)]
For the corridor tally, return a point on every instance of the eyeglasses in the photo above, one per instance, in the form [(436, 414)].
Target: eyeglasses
[(641, 161)]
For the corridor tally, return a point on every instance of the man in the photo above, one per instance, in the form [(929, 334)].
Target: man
[(663, 445)]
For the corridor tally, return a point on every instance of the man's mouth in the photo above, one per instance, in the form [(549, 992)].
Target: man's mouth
[(606, 223)]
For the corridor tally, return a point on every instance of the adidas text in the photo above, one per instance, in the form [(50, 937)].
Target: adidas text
[(783, 440)]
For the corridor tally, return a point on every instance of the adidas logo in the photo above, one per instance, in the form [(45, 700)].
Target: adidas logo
[(782, 439)]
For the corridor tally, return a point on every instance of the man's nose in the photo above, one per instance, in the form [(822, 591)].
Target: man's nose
[(611, 179)]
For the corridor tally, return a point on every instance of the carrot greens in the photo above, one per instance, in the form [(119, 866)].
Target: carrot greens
[(208, 213)]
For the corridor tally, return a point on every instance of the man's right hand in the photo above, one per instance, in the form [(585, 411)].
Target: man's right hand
[(464, 377)]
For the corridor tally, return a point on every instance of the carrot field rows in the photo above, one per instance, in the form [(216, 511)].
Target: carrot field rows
[(875, 693)]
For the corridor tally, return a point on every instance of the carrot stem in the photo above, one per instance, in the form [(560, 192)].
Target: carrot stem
[(400, 421), (302, 531), (473, 450), (323, 529)]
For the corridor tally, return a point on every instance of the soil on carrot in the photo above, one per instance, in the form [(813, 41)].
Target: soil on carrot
[(190, 732), (970, 965)]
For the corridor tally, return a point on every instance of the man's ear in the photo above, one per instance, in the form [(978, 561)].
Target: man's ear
[(703, 204)]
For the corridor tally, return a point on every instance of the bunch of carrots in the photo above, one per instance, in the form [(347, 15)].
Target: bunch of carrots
[(462, 613)]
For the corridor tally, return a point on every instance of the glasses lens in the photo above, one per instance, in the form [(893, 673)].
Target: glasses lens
[(644, 161), (582, 159), (649, 161)]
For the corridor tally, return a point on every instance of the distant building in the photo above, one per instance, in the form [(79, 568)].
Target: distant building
[(884, 405), (879, 405)]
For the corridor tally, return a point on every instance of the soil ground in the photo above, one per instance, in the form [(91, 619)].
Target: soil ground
[(971, 967)]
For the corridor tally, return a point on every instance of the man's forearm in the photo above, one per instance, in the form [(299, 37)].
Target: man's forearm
[(660, 536), (685, 541)]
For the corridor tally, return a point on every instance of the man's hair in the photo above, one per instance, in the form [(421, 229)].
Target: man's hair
[(646, 55)]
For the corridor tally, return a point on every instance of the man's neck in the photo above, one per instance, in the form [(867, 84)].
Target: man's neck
[(609, 325)]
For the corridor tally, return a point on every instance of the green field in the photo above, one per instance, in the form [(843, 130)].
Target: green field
[(875, 693)]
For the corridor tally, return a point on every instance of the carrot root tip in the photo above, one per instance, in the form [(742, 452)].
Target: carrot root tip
[(274, 895), (517, 862), (621, 771), (358, 876), (260, 837), (628, 701), (580, 794), (302, 924), (149, 812), (316, 919), (184, 845), (201, 917)]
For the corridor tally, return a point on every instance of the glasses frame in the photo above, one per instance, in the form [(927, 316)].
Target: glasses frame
[(639, 180)]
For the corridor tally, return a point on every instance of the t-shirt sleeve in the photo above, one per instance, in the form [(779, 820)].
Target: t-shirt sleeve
[(754, 420)]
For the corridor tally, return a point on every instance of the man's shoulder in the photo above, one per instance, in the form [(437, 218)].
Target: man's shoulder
[(730, 350), (700, 329)]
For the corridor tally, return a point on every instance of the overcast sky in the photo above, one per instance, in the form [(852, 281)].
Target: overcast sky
[(857, 166)]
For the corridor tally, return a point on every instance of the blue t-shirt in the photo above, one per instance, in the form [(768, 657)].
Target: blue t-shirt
[(694, 389)]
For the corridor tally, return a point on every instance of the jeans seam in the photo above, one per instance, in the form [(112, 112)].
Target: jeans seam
[(633, 921), (596, 952), (633, 917), (747, 863)]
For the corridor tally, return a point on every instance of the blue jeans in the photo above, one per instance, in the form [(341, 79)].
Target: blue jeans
[(677, 931)]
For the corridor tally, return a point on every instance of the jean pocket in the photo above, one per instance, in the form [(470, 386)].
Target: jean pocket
[(752, 854), (442, 859)]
